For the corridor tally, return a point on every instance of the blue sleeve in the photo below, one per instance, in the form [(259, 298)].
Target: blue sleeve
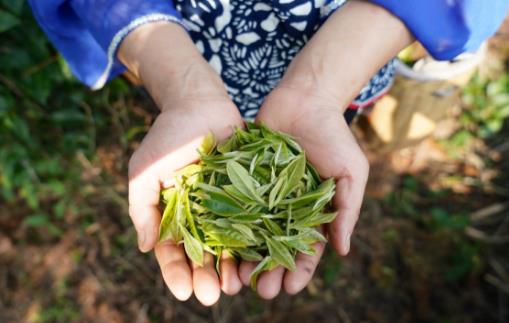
[(447, 28), (88, 32)]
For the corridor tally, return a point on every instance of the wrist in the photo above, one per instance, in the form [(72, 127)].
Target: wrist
[(164, 58), (353, 44)]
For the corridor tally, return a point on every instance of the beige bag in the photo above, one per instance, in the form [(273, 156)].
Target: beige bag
[(420, 97)]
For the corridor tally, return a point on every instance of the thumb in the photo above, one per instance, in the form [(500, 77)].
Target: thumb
[(144, 190)]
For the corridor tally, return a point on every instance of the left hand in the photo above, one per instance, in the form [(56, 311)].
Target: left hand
[(317, 124), (309, 102)]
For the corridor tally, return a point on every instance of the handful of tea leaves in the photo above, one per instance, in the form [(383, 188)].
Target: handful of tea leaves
[(253, 195)]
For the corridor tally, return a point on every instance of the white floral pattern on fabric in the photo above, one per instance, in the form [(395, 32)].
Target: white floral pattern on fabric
[(251, 43)]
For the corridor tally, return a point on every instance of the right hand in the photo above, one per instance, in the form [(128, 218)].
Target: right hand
[(170, 145), (193, 104)]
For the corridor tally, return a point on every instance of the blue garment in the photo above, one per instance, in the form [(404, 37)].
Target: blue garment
[(448, 28), (250, 43)]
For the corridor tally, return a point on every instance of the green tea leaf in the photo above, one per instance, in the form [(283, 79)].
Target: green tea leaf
[(218, 202), (227, 145), (242, 181), (190, 174), (189, 170), (168, 194), (238, 195), (187, 212), (264, 189), (208, 144), (288, 180), (317, 219), (252, 196), (279, 252), (248, 254), (192, 246), (300, 246), (216, 236), (303, 213), (244, 230), (218, 251), (165, 231), (247, 218), (294, 172), (252, 165), (314, 173), (273, 227), (276, 192), (261, 267), (322, 195), (305, 234)]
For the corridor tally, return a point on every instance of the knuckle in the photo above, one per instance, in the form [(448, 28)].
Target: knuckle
[(309, 265)]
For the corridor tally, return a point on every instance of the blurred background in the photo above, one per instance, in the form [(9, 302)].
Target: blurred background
[(432, 242)]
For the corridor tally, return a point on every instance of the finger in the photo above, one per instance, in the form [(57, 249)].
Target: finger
[(348, 202), (269, 283), (295, 281), (205, 281), (143, 209), (176, 272), (245, 270), (229, 275)]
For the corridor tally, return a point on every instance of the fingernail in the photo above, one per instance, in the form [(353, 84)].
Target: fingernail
[(347, 242), (141, 239)]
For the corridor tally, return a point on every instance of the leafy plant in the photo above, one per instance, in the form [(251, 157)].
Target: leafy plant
[(46, 120), (485, 110), (253, 196), (487, 103)]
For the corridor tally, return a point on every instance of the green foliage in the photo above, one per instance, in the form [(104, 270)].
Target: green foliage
[(332, 269), (253, 196), (42, 131), (486, 109), (487, 105), (464, 260), (409, 200), (62, 310), (441, 221)]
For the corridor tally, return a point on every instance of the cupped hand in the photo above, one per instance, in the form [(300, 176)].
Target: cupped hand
[(171, 144), (316, 122)]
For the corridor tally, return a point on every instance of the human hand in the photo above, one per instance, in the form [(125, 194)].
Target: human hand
[(170, 145), (318, 126), (193, 104), (308, 103)]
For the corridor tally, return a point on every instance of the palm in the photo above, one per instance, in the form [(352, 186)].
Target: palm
[(317, 125), (170, 145)]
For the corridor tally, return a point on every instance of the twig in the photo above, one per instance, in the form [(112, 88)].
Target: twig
[(502, 226), (502, 147), (500, 270), (11, 86), (142, 315), (31, 171), (479, 235), (488, 211), (37, 67), (495, 281), (499, 190), (93, 131), (343, 315)]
